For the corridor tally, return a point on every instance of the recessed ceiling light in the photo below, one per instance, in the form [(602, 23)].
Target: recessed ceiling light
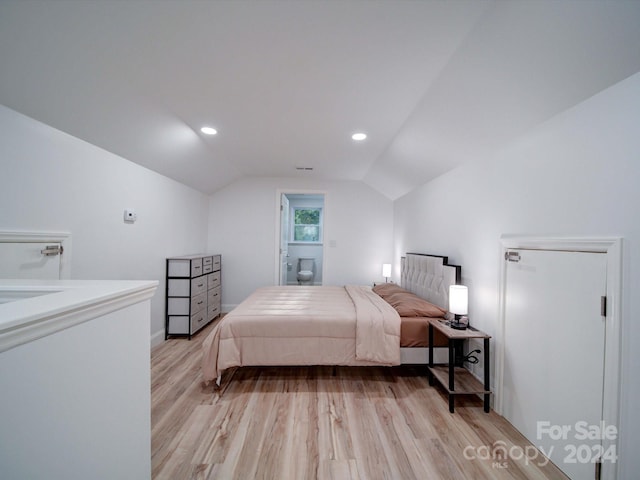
[(208, 130), (358, 137)]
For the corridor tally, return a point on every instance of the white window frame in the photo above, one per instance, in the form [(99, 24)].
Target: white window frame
[(293, 225)]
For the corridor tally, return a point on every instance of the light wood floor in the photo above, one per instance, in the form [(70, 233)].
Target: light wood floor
[(321, 423)]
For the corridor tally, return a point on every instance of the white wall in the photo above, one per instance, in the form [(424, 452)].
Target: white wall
[(577, 174), (243, 224), (51, 181)]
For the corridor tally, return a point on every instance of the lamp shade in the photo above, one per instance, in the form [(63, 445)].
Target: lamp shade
[(458, 299), (386, 269)]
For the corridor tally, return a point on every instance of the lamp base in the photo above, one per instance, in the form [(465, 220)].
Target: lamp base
[(458, 325), (461, 323)]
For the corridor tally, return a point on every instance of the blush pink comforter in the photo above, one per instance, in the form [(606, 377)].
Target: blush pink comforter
[(300, 325)]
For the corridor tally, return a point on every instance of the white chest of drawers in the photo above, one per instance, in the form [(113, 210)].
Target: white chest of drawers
[(194, 293)]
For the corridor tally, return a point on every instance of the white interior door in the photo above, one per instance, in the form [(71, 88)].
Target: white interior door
[(27, 260), (554, 348), (284, 238)]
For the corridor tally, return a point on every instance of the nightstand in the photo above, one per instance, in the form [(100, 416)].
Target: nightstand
[(458, 380)]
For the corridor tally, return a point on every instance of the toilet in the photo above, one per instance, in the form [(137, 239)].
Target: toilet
[(306, 270)]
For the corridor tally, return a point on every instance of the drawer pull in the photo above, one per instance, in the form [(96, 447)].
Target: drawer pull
[(200, 302)]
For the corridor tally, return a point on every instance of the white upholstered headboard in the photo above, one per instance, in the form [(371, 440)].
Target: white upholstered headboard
[(429, 277)]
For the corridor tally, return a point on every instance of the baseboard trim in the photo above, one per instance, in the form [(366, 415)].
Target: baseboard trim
[(157, 338)]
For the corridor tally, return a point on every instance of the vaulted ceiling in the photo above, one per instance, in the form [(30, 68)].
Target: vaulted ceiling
[(433, 83)]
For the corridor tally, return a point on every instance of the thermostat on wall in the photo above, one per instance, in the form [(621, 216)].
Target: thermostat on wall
[(130, 216)]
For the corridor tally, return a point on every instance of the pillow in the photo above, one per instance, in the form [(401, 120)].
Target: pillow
[(410, 305), (386, 289)]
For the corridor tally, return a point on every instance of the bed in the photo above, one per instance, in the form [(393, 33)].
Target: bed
[(349, 325)]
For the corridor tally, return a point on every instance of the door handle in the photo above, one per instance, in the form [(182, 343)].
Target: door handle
[(52, 250)]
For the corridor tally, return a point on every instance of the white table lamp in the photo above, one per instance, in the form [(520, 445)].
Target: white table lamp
[(458, 305), (386, 271)]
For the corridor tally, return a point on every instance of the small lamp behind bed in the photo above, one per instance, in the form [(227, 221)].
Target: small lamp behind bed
[(458, 305), (386, 271)]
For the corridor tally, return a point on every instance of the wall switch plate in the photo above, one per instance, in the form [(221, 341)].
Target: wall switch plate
[(130, 215)]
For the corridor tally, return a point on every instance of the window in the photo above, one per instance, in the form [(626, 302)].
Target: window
[(307, 224)]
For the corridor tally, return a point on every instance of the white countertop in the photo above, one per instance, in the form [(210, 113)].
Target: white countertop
[(36, 308)]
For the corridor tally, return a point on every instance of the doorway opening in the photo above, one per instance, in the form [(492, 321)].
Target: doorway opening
[(301, 232)]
